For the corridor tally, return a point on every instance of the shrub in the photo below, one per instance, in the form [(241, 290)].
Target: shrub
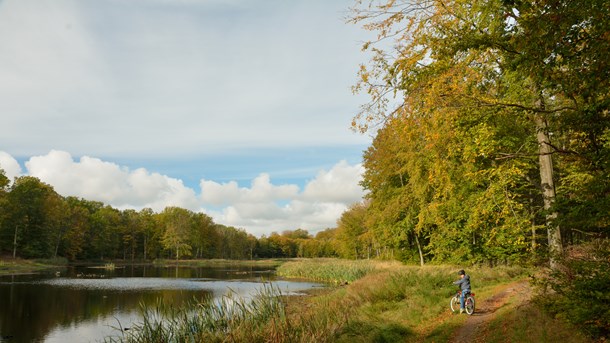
[(577, 291)]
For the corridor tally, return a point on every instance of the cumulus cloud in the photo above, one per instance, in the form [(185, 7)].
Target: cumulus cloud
[(94, 179), (260, 208), (10, 165), (317, 206), (340, 184), (261, 190)]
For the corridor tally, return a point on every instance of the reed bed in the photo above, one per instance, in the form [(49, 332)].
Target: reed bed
[(229, 319), (271, 263), (327, 270)]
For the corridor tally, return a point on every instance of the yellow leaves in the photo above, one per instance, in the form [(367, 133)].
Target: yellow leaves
[(364, 74)]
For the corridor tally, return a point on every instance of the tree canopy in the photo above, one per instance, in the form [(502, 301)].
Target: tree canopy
[(492, 123)]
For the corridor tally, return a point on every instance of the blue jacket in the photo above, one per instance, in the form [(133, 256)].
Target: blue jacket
[(464, 283)]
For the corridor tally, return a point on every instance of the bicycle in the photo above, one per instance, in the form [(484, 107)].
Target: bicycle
[(454, 304)]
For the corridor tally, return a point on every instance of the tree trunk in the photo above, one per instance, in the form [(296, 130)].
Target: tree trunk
[(57, 246), (15, 242), (421, 255), (145, 244), (548, 189)]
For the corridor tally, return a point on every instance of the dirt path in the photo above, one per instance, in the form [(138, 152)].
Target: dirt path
[(473, 329)]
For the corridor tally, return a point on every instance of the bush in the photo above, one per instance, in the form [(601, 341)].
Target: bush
[(577, 291)]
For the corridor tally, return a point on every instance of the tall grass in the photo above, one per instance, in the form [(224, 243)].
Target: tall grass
[(229, 319), (382, 303), (327, 270), (271, 263)]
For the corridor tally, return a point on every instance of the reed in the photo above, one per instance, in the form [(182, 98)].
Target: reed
[(228, 319), (271, 263), (327, 270)]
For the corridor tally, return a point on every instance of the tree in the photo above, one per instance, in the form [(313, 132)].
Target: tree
[(4, 183), (352, 231), (177, 223), (26, 217), (104, 239), (56, 221), (75, 228), (536, 66), (202, 235)]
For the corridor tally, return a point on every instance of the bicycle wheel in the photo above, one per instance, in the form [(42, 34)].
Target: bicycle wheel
[(455, 304), (469, 305)]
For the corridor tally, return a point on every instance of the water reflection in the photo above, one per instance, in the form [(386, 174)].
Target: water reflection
[(83, 304)]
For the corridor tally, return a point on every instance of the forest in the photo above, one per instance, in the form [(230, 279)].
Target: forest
[(492, 128), (36, 222)]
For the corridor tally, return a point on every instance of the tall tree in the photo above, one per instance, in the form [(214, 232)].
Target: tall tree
[(536, 65), (4, 183), (150, 234), (352, 232), (202, 235), (27, 216), (177, 223), (75, 229)]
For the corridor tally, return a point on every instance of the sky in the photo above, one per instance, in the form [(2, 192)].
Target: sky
[(240, 109)]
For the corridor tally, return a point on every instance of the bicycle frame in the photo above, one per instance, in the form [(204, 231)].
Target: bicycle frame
[(469, 302)]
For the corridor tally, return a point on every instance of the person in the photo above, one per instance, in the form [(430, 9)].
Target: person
[(464, 283)]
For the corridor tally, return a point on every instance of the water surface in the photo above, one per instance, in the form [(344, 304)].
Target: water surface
[(83, 304)]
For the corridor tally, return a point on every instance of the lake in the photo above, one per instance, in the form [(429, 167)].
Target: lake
[(85, 304)]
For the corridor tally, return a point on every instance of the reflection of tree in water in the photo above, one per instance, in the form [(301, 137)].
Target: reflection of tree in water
[(217, 273), (30, 311)]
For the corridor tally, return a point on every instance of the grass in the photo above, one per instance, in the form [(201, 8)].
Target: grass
[(271, 263), (230, 319), (382, 302), (20, 266), (527, 323), (327, 269)]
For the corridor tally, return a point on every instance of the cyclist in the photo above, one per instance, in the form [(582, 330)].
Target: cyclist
[(464, 283)]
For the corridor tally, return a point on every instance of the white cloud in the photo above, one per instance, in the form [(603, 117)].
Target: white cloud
[(10, 165), (94, 179), (261, 191), (340, 184), (258, 208), (261, 208)]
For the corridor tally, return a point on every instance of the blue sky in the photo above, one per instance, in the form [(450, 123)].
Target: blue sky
[(237, 108)]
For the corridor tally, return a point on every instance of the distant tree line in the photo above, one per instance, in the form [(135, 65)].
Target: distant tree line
[(36, 222)]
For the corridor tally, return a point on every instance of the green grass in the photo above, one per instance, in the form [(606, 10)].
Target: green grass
[(271, 263), (20, 266), (521, 320), (327, 269), (229, 319), (383, 302)]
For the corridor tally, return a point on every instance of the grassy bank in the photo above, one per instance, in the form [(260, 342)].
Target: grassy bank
[(271, 263), (19, 266), (329, 270), (380, 302)]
